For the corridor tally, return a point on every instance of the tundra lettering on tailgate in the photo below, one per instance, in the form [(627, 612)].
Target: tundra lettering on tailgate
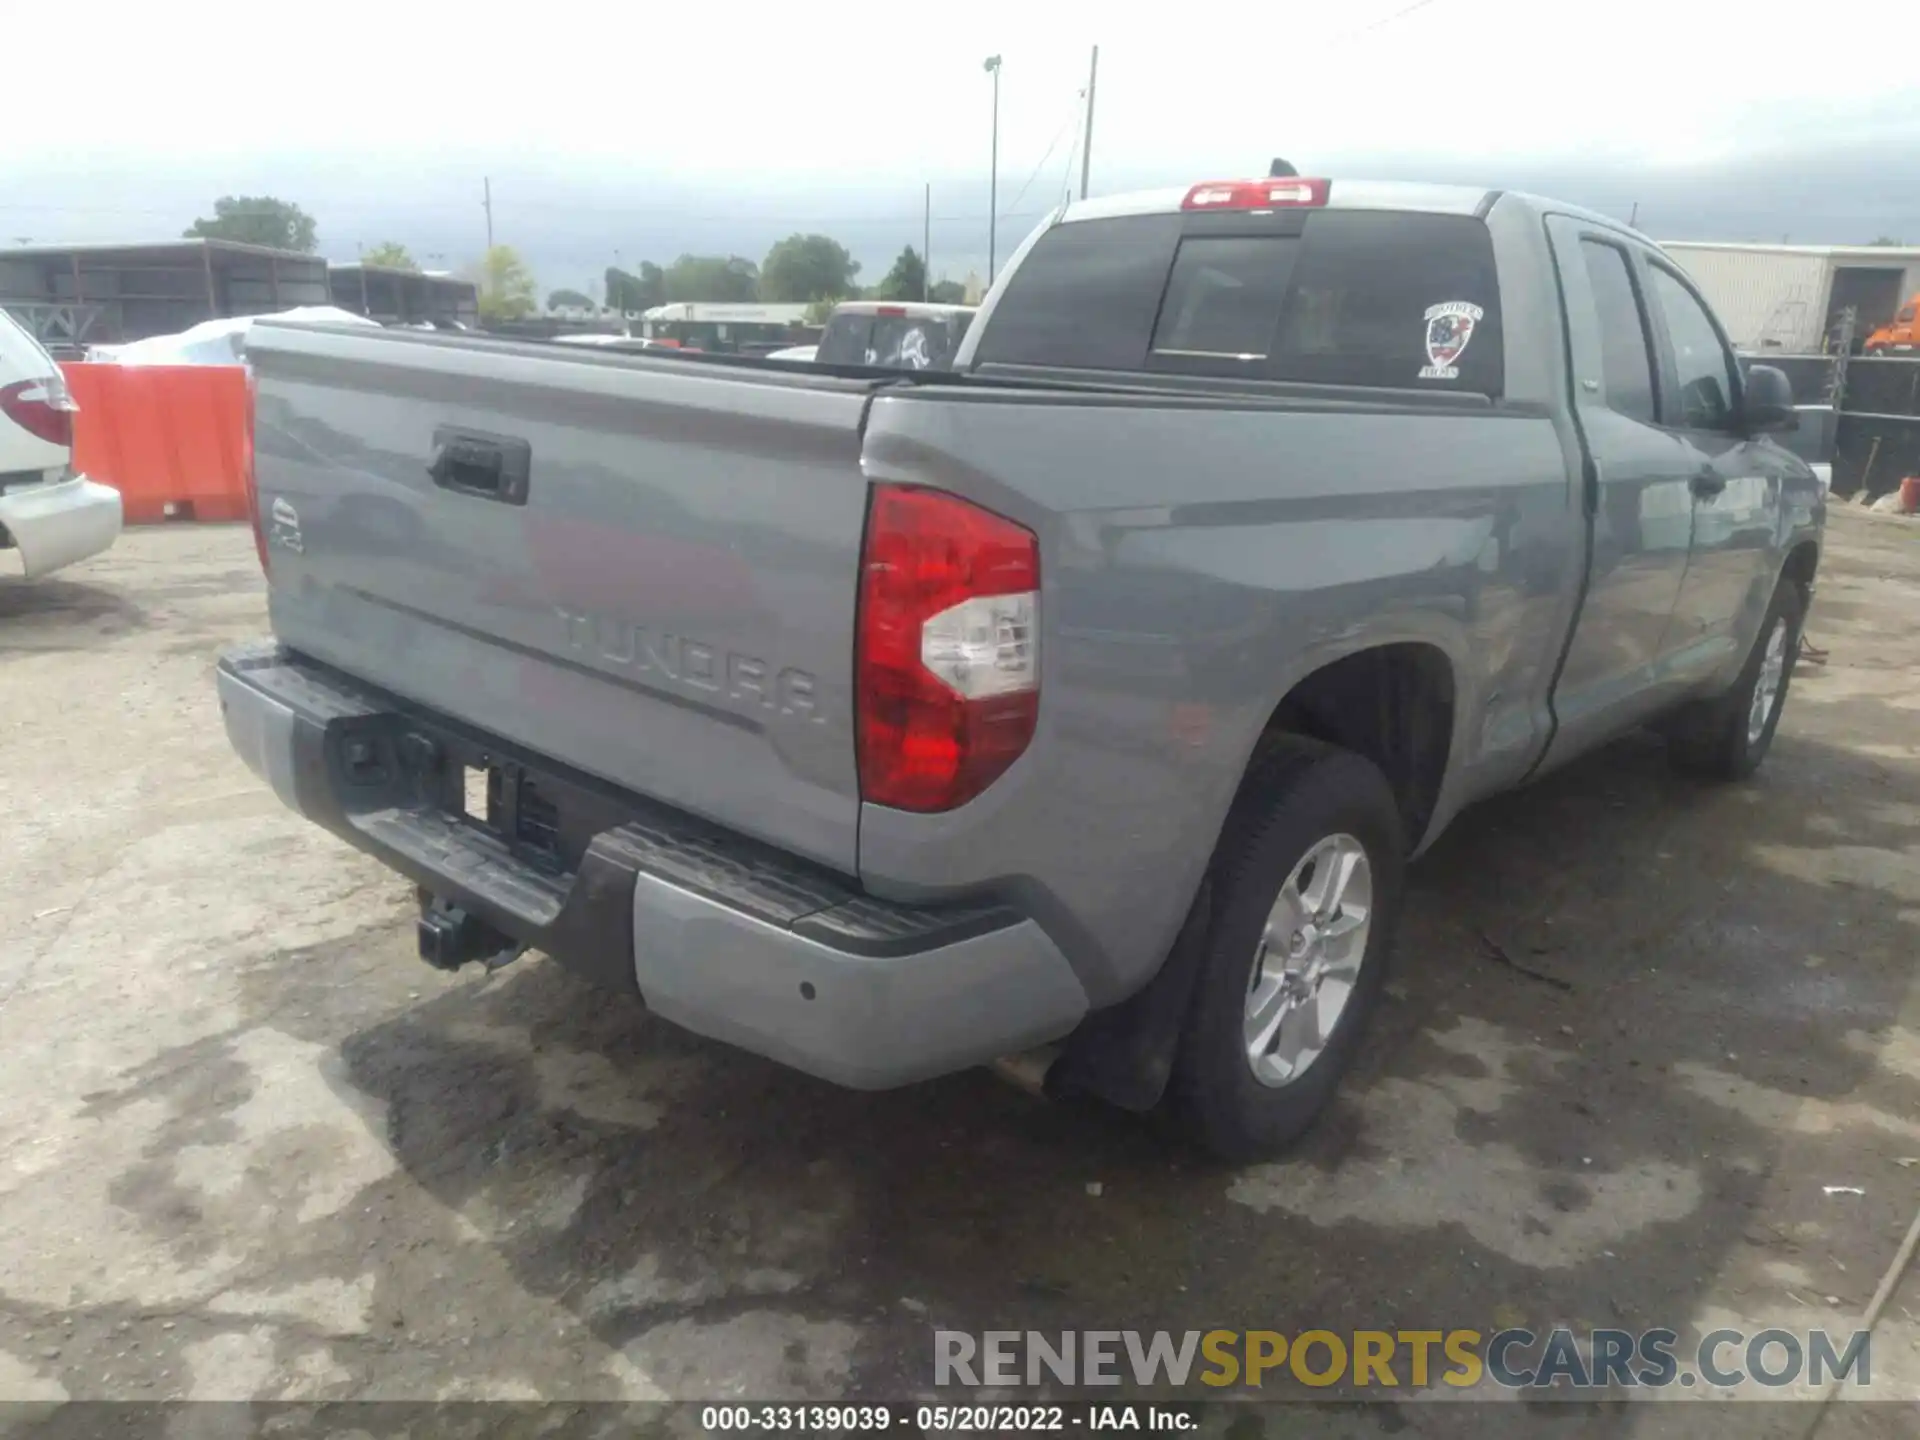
[(692, 664)]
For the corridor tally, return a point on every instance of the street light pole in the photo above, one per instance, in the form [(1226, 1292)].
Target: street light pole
[(1086, 150), (993, 181)]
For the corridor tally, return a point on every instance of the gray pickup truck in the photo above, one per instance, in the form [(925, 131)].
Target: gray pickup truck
[(1088, 698)]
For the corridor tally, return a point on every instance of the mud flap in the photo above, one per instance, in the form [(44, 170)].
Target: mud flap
[(1124, 1054)]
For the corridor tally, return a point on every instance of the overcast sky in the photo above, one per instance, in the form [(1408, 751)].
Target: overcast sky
[(642, 130)]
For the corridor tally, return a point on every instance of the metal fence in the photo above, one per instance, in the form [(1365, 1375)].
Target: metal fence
[(1859, 413)]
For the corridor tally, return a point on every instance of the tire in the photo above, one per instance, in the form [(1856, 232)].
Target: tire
[(1302, 798), (1727, 738)]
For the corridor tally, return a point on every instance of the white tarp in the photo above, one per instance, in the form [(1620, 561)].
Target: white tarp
[(213, 342)]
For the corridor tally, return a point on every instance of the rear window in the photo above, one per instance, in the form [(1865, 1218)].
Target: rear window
[(1224, 296), (900, 342), (1357, 297), (844, 341)]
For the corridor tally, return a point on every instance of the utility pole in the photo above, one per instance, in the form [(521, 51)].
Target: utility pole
[(486, 203), (926, 246), (1086, 146), (993, 181), (1633, 218)]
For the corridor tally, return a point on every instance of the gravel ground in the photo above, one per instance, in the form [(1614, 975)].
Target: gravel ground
[(250, 1147)]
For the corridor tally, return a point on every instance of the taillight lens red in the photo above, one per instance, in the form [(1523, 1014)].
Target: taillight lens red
[(43, 408), (948, 664), (248, 473)]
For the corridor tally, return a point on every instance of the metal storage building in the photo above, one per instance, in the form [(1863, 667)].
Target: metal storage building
[(1791, 297), (405, 297), (70, 296)]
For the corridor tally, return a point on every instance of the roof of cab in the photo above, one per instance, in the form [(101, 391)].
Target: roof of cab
[(1363, 195), (1341, 195)]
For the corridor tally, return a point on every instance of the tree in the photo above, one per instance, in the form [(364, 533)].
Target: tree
[(948, 292), (569, 300), (808, 267), (717, 279), (389, 255), (636, 292), (1887, 240), (506, 285), (907, 280), (257, 220)]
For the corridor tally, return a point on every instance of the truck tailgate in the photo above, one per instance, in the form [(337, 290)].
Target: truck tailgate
[(643, 568)]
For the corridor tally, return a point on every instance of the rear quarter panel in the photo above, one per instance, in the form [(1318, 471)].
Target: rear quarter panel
[(1197, 562)]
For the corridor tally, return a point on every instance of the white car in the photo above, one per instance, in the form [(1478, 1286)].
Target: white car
[(795, 352), (52, 516)]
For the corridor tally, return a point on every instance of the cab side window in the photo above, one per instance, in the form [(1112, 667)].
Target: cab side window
[(1702, 367), (1626, 358)]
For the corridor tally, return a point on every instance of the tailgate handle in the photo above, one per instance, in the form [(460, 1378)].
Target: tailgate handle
[(490, 467)]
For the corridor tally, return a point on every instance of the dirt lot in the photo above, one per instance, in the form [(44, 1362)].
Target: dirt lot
[(251, 1147)]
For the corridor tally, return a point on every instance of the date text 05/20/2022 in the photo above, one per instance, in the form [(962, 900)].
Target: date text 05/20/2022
[(928, 1419)]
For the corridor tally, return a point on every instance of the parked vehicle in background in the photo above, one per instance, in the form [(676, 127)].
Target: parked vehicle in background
[(1092, 694), (894, 335), (217, 342), (1900, 335), (49, 516), (724, 328)]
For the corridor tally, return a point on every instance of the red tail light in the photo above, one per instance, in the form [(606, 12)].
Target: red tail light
[(948, 664), (1289, 192), (248, 472), (891, 310), (43, 408)]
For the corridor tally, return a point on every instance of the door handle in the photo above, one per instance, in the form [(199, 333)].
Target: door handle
[(467, 466), (488, 467), (1707, 484)]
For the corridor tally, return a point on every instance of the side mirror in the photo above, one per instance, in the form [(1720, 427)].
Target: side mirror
[(1766, 403)]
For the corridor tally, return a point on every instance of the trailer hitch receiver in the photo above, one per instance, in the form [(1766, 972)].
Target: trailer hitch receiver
[(450, 935)]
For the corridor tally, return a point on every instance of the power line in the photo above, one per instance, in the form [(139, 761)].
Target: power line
[(1066, 125)]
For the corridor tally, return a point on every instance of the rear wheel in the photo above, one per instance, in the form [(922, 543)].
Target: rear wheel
[(1307, 890), (1727, 738)]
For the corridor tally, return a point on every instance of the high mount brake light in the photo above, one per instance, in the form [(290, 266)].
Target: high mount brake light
[(1281, 193), (947, 674)]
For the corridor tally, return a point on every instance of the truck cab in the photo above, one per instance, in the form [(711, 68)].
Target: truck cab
[(895, 335), (1900, 335)]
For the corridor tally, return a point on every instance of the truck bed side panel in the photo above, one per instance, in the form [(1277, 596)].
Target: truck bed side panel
[(1197, 562), (672, 606)]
